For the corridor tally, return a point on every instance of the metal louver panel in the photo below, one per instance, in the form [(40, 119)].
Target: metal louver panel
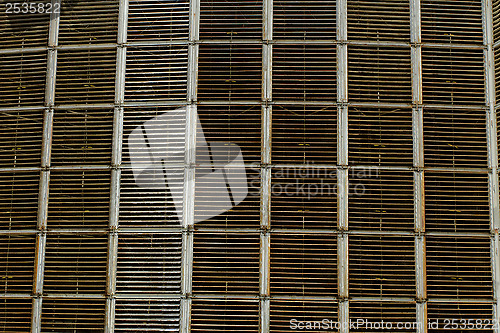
[(226, 263), (85, 76), (73, 315), (379, 74), (88, 22), (380, 136), (458, 267), (304, 72), (387, 20), (304, 134), (456, 202), (456, 21), (381, 200), (382, 311), (245, 214), (75, 263), (455, 138), (496, 20), (16, 315), (20, 138), (225, 316), (149, 263), (158, 20), (138, 315), (304, 198), (477, 314), (22, 78), (150, 203), (381, 266), (230, 72), (17, 261), (156, 73), (306, 19), (233, 19), (282, 311), (82, 136), (452, 76), (18, 200), (237, 124), (23, 29), (303, 265), (79, 199)]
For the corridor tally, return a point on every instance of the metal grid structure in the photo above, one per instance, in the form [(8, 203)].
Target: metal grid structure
[(395, 97)]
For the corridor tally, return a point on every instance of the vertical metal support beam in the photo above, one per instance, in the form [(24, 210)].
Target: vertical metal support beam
[(116, 160), (491, 133), (266, 172), (43, 194), (342, 161), (189, 168), (495, 264), (418, 164)]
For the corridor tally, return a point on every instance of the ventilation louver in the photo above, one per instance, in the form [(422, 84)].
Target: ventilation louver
[(157, 20), (304, 72)]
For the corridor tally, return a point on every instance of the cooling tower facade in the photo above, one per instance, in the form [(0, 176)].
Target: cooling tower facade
[(249, 166)]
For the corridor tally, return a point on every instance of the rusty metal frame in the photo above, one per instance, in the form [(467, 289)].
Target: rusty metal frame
[(43, 198), (491, 131), (418, 164)]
